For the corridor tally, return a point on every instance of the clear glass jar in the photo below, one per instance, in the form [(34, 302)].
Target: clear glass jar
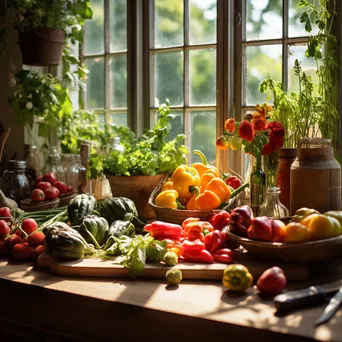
[(54, 164), (68, 161), (76, 174), (34, 163), (14, 182), (272, 207)]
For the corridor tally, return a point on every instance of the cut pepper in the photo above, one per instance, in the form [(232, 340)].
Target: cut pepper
[(167, 199), (204, 166), (182, 178)]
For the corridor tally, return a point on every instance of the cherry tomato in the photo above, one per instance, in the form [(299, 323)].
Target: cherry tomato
[(51, 193), (37, 195), (61, 187), (233, 181), (50, 177)]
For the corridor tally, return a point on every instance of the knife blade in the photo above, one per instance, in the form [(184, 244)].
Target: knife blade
[(310, 296), (331, 308)]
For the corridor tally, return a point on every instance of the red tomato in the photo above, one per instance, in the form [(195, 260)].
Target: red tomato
[(43, 185), (4, 228), (50, 177), (61, 187), (233, 181), (51, 193), (39, 179), (5, 212), (70, 188), (29, 226), (37, 195)]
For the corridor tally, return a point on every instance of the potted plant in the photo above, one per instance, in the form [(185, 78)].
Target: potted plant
[(142, 163), (39, 98), (44, 25)]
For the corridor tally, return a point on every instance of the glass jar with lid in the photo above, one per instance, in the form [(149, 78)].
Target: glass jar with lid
[(272, 207), (14, 182)]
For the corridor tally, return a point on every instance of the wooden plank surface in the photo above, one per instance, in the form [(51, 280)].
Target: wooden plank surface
[(91, 267)]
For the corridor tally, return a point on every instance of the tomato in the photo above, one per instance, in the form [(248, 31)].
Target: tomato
[(4, 228), (61, 187), (29, 225), (233, 181), (222, 143), (272, 281), (43, 185), (70, 188), (51, 193), (50, 177), (39, 179), (4, 213), (37, 195), (235, 143)]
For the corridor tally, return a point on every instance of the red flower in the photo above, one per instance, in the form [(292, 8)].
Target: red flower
[(267, 149), (276, 134), (246, 130), (259, 123), (229, 125)]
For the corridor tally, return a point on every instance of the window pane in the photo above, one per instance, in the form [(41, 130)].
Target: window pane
[(94, 30), (296, 28), (118, 25), (308, 66), (119, 81), (118, 118), (202, 21), (101, 119), (176, 123), (264, 61), (95, 83), (264, 19), (203, 134), (169, 78), (168, 23), (203, 76)]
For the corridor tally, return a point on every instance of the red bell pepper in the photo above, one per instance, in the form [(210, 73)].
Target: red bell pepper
[(260, 229), (240, 219), (214, 240), (159, 229), (193, 246), (224, 258), (233, 181), (220, 220), (196, 230), (227, 251), (202, 256)]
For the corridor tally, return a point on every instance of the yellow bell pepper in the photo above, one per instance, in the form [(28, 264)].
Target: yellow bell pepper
[(167, 186), (207, 200), (220, 188), (167, 199), (237, 277), (204, 166), (182, 178), (296, 232), (205, 179)]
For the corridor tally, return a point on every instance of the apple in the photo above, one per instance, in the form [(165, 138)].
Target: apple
[(43, 185), (51, 193), (61, 187), (272, 281), (50, 177)]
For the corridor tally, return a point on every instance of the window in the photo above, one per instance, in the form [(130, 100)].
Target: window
[(105, 53)]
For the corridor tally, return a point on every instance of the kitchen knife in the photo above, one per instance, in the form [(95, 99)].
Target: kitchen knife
[(332, 307), (310, 296)]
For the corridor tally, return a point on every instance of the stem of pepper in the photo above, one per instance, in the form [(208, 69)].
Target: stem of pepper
[(202, 156)]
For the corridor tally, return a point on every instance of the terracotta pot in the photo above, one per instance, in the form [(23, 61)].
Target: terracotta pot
[(138, 189), (42, 47)]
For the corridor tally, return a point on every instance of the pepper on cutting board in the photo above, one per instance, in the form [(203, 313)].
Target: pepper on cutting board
[(182, 178), (164, 230), (214, 240), (194, 230), (195, 251), (220, 220), (203, 166)]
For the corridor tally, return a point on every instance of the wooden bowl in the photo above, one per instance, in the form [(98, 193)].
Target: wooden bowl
[(179, 215), (29, 205), (64, 199), (310, 251)]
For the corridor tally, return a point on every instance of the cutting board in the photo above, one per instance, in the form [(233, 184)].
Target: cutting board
[(91, 267)]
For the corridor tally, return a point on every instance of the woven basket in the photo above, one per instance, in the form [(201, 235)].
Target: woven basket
[(179, 215), (306, 252)]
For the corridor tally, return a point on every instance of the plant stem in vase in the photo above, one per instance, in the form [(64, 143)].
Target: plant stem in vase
[(271, 166), (257, 186)]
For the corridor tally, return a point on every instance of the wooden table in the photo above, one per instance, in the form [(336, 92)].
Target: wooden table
[(38, 306)]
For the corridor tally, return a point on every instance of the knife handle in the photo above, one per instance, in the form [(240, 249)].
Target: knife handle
[(310, 296)]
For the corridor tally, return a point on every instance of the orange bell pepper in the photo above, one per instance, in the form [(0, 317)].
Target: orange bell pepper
[(219, 187), (204, 166), (207, 200), (206, 177), (191, 203), (197, 230)]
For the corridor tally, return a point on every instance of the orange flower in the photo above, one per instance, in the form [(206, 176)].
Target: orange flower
[(259, 123), (229, 125), (246, 130)]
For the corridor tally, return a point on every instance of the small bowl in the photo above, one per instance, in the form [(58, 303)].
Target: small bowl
[(306, 252), (29, 205), (64, 199)]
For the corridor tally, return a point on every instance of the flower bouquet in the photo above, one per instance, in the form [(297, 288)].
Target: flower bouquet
[(260, 136)]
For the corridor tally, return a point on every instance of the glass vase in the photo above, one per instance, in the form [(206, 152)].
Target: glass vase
[(270, 167), (257, 185)]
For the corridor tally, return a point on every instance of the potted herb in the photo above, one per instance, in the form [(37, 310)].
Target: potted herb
[(39, 98), (44, 25), (143, 162)]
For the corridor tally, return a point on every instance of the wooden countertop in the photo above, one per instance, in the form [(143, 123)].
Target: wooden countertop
[(88, 309)]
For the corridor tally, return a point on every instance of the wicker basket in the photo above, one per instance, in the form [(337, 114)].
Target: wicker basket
[(179, 215), (306, 252)]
